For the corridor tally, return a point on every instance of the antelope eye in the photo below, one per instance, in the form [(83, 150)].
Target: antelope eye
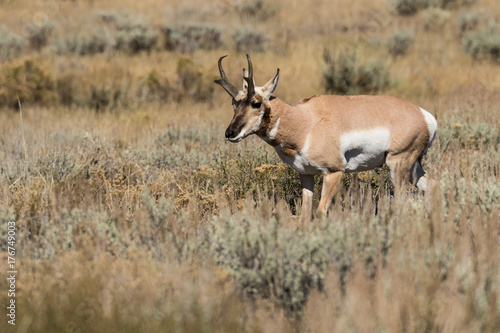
[(256, 105)]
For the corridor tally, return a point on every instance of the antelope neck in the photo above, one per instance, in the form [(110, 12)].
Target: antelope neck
[(271, 124)]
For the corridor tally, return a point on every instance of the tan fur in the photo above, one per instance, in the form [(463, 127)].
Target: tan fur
[(308, 135), (327, 117)]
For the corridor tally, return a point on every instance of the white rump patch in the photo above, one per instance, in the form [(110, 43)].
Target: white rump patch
[(364, 150), (431, 125)]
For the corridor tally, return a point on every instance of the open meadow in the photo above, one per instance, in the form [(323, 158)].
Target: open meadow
[(128, 211)]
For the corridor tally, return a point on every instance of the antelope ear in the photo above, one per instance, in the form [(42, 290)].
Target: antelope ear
[(270, 86)]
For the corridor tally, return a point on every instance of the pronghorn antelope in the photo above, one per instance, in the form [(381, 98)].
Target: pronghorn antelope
[(330, 135)]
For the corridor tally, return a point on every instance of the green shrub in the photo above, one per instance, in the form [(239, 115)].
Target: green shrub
[(447, 4), (400, 42), (482, 45), (373, 76), (120, 20), (257, 9), (100, 97), (470, 135), (28, 82), (271, 261), (468, 21), (406, 7), (345, 76), (435, 18), (105, 96), (192, 82), (246, 39), (410, 7), (66, 89), (10, 44), (136, 40), (97, 40), (38, 35), (134, 34), (110, 31), (340, 75), (153, 87), (191, 37)]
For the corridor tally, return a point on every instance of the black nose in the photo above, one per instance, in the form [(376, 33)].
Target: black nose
[(229, 133)]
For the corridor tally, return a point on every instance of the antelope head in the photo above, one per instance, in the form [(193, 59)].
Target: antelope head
[(251, 105)]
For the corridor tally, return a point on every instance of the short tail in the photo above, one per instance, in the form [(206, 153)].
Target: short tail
[(431, 126)]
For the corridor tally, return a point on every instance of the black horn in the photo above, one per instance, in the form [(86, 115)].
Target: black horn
[(224, 82), (249, 79)]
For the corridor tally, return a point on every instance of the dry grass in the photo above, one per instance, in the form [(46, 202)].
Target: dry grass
[(139, 217)]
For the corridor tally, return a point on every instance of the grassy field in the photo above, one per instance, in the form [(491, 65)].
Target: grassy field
[(133, 214)]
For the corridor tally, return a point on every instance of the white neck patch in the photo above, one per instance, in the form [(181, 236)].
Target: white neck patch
[(274, 130)]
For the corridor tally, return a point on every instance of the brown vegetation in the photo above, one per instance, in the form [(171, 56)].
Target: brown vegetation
[(133, 214)]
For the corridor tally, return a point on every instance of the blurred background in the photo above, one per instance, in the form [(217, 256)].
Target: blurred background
[(134, 215), (103, 55)]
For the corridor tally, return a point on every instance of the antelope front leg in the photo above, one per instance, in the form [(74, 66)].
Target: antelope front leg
[(331, 185), (307, 182)]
